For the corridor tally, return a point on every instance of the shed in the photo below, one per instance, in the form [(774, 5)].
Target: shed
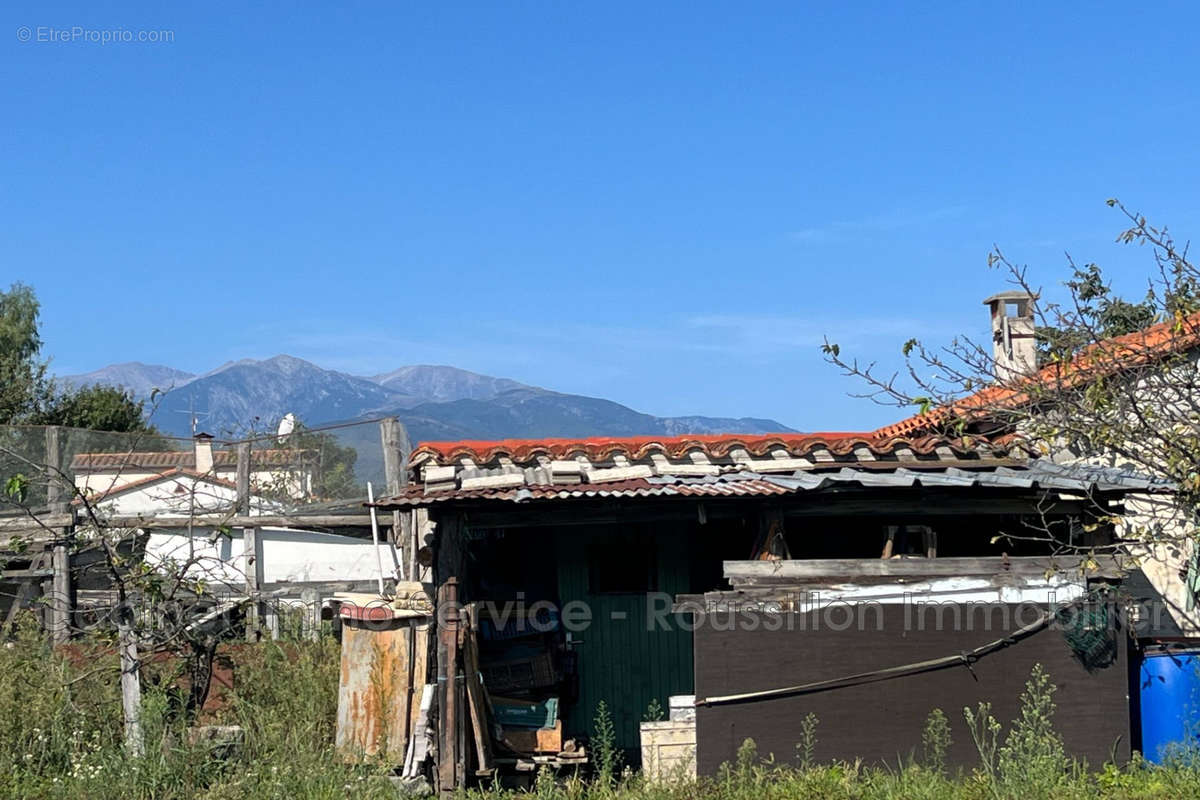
[(606, 571)]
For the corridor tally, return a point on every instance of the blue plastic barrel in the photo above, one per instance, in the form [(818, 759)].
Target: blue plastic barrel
[(1170, 701)]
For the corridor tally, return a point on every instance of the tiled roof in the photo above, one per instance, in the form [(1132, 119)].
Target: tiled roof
[(186, 459), (1033, 475), (601, 466), (674, 447), (159, 478), (1110, 356)]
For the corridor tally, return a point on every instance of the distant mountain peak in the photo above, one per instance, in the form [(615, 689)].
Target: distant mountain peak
[(444, 384), (436, 402), (134, 376)]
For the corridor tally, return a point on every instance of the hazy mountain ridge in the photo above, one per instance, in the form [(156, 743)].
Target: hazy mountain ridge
[(138, 378), (434, 402)]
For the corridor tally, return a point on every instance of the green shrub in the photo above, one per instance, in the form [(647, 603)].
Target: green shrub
[(61, 739)]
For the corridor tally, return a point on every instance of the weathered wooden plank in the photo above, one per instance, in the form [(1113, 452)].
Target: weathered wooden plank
[(23, 574), (242, 521), (475, 700), (37, 523), (855, 568)]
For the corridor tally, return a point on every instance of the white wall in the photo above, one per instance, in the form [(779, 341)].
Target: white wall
[(288, 554)]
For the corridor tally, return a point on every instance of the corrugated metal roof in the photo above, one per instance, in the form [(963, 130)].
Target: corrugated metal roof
[(1033, 475)]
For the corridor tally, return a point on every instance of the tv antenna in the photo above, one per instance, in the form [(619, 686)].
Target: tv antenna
[(192, 413)]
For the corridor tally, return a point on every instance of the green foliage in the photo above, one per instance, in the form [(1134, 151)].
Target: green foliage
[(654, 712), (333, 463), (60, 738), (806, 747), (16, 488), (604, 745), (936, 740), (985, 732), (1033, 758), (29, 397), (60, 732), (98, 408), (24, 387), (1100, 314)]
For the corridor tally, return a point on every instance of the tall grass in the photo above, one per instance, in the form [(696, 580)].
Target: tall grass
[(60, 737), (61, 734)]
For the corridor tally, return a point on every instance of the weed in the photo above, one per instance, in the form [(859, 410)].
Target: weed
[(936, 741), (808, 740), (654, 712), (604, 745)]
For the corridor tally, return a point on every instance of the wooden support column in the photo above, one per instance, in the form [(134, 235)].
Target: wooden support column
[(252, 565), (61, 598), (131, 685), (396, 447), (242, 478), (451, 770)]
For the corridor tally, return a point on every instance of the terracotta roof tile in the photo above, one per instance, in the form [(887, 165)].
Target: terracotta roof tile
[(636, 448), (1107, 357), (153, 479)]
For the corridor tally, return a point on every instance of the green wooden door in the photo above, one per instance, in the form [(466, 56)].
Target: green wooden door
[(622, 660)]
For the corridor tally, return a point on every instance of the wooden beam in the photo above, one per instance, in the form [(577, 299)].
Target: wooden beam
[(38, 523), (25, 574), (242, 521), (818, 569)]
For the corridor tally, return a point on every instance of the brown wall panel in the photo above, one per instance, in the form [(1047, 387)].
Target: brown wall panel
[(883, 720)]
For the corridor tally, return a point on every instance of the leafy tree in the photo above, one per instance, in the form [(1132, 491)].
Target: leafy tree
[(24, 387), (1104, 391), (96, 407), (29, 397)]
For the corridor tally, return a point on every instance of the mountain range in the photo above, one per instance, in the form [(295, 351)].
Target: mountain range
[(434, 402)]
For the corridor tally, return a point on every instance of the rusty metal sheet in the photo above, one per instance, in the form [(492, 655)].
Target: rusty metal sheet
[(381, 663)]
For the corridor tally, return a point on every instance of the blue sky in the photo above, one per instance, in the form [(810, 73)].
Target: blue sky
[(667, 206)]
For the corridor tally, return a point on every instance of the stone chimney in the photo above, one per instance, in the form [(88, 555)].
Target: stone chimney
[(204, 455), (1014, 347)]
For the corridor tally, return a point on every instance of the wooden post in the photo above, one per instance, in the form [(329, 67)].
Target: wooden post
[(252, 564), (131, 685), (449, 754), (243, 478), (60, 592), (311, 615), (396, 447), (889, 546)]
